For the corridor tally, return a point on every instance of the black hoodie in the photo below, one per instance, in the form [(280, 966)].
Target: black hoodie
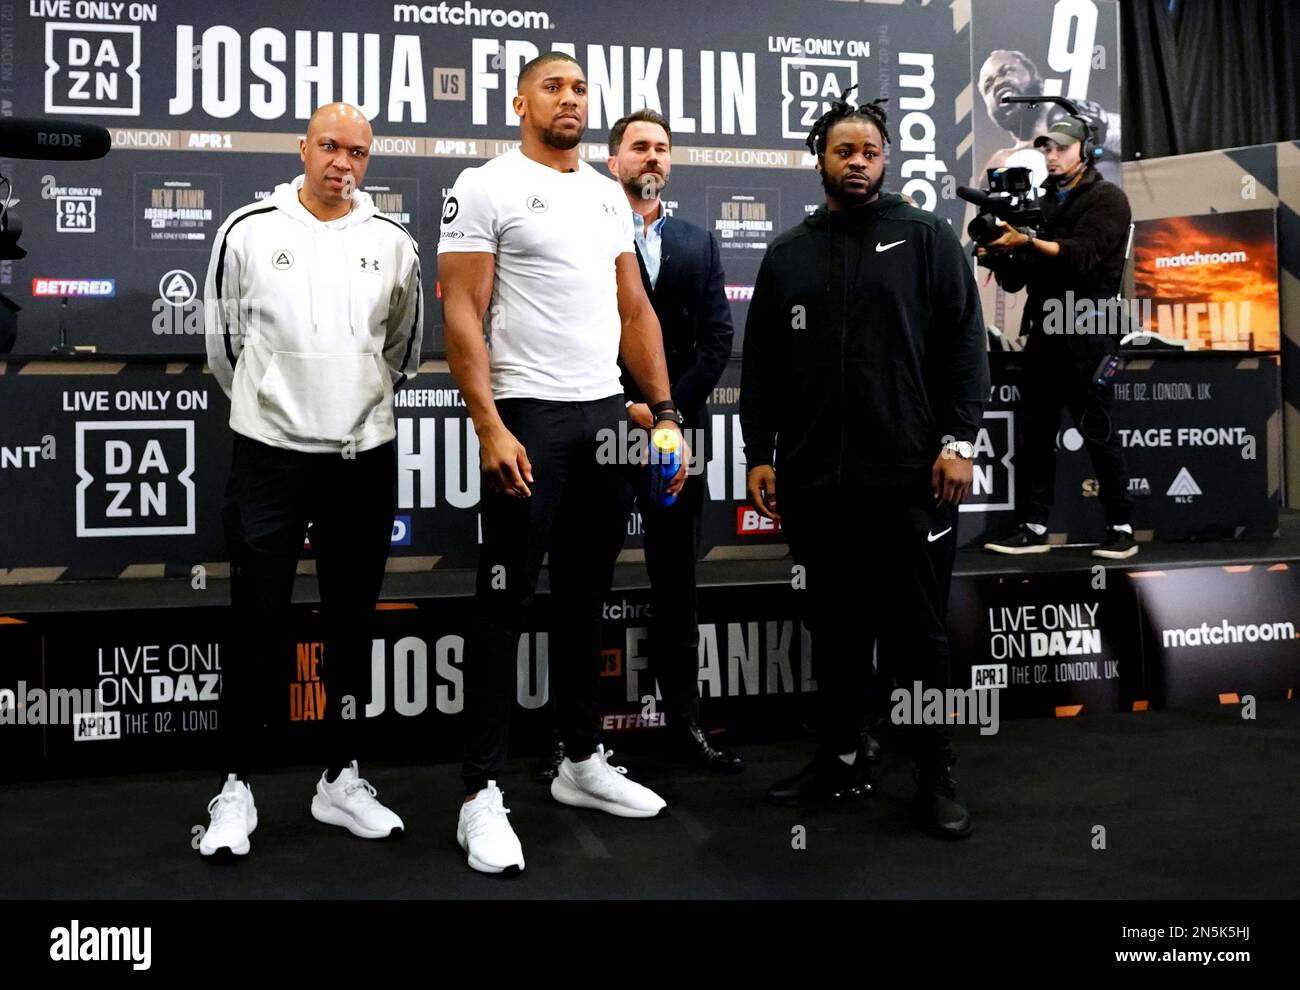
[(864, 348)]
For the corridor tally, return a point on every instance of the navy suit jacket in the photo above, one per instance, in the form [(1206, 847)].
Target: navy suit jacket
[(694, 315)]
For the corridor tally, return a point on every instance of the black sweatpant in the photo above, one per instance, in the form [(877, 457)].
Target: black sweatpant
[(345, 506), (1058, 374), (671, 542), (577, 514), (872, 574)]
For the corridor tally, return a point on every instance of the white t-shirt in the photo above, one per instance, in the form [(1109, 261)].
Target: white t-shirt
[(553, 326)]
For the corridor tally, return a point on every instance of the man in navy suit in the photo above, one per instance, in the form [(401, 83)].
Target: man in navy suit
[(682, 273)]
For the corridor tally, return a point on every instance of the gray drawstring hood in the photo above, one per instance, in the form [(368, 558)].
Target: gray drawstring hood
[(320, 237)]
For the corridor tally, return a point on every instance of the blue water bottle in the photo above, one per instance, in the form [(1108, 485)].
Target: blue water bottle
[(665, 462)]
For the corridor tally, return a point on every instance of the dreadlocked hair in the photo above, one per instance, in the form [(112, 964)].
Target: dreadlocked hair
[(840, 109)]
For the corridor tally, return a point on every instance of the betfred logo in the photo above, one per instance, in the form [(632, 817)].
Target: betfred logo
[(47, 286), (751, 522), (739, 293), (630, 721)]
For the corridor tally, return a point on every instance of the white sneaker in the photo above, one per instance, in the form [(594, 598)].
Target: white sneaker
[(234, 817), (350, 802), (484, 832), (593, 783)]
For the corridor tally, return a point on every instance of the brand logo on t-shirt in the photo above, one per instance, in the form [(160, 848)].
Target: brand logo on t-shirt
[(282, 260), (450, 209), (610, 209), (370, 264), (537, 204)]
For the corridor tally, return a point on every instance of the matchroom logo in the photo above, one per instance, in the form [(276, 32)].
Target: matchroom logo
[(92, 69), (135, 478)]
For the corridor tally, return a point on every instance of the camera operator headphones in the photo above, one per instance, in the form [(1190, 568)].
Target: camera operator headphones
[(1074, 127)]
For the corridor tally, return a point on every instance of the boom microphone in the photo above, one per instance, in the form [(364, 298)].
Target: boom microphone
[(52, 140)]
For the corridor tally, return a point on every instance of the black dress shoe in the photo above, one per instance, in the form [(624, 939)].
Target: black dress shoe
[(870, 748), (694, 746), (549, 764), (935, 807), (825, 780)]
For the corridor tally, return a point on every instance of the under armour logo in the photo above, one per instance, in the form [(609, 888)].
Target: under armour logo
[(370, 264)]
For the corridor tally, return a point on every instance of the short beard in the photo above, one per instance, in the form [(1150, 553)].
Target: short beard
[(563, 142), (636, 188), (836, 189)]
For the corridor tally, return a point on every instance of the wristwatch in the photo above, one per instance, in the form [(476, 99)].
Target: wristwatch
[(666, 411), (961, 448)]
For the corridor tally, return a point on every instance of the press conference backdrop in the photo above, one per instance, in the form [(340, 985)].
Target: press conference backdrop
[(119, 471), (205, 103)]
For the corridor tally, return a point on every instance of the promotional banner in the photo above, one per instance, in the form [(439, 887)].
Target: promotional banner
[(121, 470), (142, 689), (1202, 443), (206, 103), (1052, 643), (1209, 282), (1067, 48), (1217, 635)]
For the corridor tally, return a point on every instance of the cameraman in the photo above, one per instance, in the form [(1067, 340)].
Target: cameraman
[(1079, 256)]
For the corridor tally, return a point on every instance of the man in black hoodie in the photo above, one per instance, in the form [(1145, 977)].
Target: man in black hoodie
[(863, 386)]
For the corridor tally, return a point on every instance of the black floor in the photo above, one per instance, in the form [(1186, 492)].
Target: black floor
[(1194, 805)]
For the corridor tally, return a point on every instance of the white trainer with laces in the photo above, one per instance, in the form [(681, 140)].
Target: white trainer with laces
[(350, 803), (233, 819), (484, 832), (594, 783)]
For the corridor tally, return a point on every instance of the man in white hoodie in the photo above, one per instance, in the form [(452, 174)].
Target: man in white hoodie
[(314, 317)]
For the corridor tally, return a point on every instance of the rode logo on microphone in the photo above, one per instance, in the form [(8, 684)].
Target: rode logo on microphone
[(91, 69), (751, 522)]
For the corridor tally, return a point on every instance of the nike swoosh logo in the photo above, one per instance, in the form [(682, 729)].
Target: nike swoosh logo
[(885, 247), (931, 537)]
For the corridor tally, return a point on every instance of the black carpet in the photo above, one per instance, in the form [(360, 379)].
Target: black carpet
[(1194, 805)]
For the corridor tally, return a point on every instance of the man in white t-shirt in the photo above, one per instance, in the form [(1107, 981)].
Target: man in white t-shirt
[(541, 296)]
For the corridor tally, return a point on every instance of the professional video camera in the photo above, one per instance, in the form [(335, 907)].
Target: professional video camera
[(1010, 197)]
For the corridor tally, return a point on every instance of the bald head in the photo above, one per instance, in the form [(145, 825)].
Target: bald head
[(338, 115), (335, 154)]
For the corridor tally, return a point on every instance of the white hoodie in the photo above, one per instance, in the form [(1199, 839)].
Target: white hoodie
[(311, 325)]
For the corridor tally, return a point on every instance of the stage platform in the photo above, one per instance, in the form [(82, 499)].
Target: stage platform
[(1197, 627), (725, 567)]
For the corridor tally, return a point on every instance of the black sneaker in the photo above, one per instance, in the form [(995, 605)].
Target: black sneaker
[(1116, 545), (824, 780), (935, 807), (1022, 539)]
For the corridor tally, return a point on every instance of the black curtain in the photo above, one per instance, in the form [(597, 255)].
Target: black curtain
[(1205, 74)]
